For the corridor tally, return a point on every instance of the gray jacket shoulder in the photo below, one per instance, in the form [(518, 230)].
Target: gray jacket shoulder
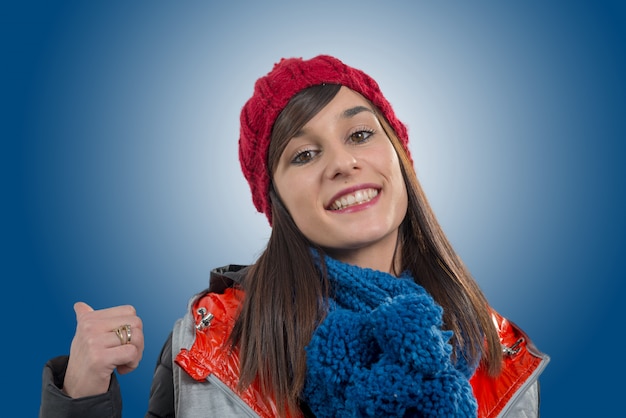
[(526, 406)]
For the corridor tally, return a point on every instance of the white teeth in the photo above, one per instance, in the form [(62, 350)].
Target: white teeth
[(357, 197)]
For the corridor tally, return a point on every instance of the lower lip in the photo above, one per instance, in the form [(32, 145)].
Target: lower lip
[(359, 207)]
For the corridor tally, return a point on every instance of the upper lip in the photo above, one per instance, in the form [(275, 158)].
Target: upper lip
[(350, 190)]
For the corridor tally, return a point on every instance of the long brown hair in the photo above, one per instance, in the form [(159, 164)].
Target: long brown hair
[(285, 295)]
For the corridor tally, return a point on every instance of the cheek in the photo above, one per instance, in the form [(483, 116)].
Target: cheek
[(299, 204), (397, 179), (303, 216), (404, 201), (393, 168), (292, 192)]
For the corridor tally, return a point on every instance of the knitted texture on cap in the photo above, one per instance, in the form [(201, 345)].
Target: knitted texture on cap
[(272, 93)]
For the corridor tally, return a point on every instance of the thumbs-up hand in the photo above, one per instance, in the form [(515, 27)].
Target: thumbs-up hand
[(97, 349)]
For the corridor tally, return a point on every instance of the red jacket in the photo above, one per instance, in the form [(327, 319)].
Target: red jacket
[(217, 313)]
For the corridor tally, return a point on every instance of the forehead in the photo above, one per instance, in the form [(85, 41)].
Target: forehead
[(346, 104)]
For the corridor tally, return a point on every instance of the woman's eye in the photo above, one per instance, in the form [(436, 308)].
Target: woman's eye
[(303, 157), (360, 136)]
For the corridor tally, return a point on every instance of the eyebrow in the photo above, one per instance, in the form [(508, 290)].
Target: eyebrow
[(353, 111)]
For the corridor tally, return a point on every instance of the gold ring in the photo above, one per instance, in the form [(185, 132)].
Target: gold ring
[(124, 334)]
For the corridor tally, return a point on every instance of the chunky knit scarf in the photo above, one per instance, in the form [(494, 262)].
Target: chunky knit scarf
[(381, 351)]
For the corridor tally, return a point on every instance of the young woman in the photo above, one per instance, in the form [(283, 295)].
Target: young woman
[(358, 306)]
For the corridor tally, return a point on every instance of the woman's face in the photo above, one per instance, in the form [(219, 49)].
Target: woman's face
[(340, 180)]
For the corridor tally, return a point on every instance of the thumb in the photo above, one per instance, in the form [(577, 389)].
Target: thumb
[(81, 308)]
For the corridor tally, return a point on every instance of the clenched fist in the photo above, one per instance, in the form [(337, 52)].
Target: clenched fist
[(97, 350)]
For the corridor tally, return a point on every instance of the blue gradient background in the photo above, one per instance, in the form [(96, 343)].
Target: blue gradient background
[(121, 182)]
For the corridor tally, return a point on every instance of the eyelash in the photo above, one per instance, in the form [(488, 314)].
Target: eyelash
[(297, 159), (366, 132)]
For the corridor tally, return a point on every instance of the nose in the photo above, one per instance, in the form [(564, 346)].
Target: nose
[(341, 162)]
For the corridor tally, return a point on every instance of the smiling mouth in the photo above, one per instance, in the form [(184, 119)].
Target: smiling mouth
[(356, 198)]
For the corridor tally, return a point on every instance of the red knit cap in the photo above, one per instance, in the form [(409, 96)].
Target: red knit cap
[(272, 93)]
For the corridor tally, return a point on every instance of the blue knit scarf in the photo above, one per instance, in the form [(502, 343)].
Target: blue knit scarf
[(381, 351)]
